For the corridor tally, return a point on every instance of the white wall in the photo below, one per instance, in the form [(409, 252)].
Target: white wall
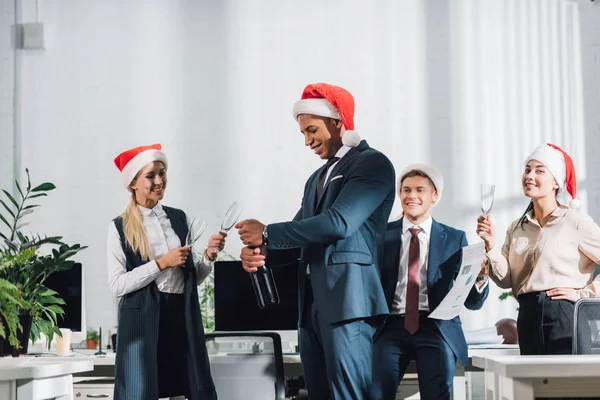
[(7, 88), (444, 82)]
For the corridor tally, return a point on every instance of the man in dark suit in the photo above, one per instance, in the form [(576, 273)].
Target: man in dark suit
[(421, 259), (340, 229)]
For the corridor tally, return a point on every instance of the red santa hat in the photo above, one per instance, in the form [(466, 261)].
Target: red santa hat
[(131, 161), (560, 165), (331, 101)]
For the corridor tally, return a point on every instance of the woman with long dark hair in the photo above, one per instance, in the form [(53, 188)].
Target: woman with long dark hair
[(549, 254)]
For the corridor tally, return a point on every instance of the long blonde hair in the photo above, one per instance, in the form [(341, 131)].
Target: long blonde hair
[(133, 229)]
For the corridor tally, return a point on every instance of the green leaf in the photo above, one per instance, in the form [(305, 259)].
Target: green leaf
[(24, 213), (11, 198), (56, 309), (31, 206), (28, 180), (44, 187), (8, 209), (38, 195), (47, 292), (20, 191), (5, 221), (22, 224)]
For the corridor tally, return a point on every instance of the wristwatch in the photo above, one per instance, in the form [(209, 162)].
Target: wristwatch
[(265, 236)]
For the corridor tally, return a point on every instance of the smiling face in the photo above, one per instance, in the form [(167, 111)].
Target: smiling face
[(537, 181), (418, 196), (150, 183), (321, 134)]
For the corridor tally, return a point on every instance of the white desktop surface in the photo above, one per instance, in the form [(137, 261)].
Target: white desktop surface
[(526, 377), (30, 378), (16, 368)]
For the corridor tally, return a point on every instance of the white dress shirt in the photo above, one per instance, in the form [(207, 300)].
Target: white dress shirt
[(399, 303), (340, 154), (162, 238)]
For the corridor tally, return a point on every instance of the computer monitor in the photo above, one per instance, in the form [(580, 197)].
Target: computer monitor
[(236, 308), (69, 286)]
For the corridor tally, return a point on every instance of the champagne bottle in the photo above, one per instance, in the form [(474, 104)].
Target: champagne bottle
[(264, 286)]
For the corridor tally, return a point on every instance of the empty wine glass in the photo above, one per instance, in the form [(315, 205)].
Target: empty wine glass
[(196, 230), (487, 198), (231, 217)]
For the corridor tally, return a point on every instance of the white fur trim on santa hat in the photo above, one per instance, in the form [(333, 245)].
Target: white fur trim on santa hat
[(433, 173), (350, 138), (319, 107), (138, 162), (553, 160)]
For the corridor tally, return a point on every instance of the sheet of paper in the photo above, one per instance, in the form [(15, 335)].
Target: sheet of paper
[(449, 307)]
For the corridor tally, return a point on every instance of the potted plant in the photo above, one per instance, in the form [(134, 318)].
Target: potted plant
[(206, 292), (10, 325), (26, 267), (92, 338)]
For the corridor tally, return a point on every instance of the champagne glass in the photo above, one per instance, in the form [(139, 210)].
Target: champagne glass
[(196, 230), (231, 217), (487, 198)]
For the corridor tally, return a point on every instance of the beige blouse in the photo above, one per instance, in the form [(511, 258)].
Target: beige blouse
[(563, 253)]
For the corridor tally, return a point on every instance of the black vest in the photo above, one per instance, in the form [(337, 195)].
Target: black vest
[(136, 372)]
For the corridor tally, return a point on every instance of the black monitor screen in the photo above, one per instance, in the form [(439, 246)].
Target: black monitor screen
[(236, 308), (68, 285)]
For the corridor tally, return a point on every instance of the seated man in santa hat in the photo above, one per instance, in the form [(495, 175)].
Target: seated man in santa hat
[(340, 230), (421, 259)]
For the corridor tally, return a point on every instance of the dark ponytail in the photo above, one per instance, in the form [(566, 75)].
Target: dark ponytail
[(524, 216)]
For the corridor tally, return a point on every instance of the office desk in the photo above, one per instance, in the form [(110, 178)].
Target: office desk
[(527, 377), (463, 388), (28, 378)]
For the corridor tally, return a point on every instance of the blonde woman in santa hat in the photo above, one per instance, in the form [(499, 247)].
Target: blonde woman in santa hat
[(161, 350), (549, 254)]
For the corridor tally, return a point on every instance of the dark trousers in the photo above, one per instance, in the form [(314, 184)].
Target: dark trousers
[(173, 377), (336, 358), (394, 348), (545, 326)]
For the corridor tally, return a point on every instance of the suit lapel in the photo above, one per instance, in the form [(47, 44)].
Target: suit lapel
[(393, 246), (310, 197), (437, 242), (338, 167)]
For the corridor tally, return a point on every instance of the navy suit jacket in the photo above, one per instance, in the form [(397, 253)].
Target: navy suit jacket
[(443, 266), (341, 236)]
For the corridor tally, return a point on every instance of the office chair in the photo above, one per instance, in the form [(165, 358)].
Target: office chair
[(586, 326), (246, 365)]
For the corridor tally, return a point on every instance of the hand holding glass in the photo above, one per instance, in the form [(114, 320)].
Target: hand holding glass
[(231, 217), (486, 200)]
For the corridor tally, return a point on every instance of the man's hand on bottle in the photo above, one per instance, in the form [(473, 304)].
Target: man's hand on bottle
[(252, 259)]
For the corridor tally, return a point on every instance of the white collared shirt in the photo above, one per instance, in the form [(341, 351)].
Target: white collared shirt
[(161, 238), (399, 303), (340, 154)]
